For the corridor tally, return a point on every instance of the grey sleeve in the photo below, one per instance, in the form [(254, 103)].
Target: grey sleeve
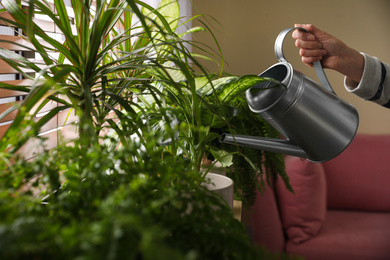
[(375, 83)]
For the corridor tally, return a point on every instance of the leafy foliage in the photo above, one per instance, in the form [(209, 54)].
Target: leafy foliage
[(100, 68), (105, 57), (123, 205), (89, 201), (251, 169), (206, 110)]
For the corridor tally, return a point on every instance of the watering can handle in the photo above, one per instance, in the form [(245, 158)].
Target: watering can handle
[(317, 65)]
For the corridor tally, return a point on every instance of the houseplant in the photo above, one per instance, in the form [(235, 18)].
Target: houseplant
[(202, 110), (95, 80), (104, 59), (93, 208)]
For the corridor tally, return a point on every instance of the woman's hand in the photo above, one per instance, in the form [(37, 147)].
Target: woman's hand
[(333, 53)]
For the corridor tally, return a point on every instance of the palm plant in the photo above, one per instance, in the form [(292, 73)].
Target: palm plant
[(126, 57), (105, 56), (115, 51)]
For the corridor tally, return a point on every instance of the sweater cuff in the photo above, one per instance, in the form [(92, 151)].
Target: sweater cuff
[(371, 77)]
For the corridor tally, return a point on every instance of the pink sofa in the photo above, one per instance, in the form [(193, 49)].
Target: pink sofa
[(340, 209)]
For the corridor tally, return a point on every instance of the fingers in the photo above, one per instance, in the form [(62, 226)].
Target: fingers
[(309, 36), (311, 49), (297, 34), (310, 56), (309, 60), (312, 52), (313, 45), (309, 27), (306, 40)]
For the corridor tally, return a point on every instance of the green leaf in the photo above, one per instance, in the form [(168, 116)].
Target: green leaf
[(170, 9), (215, 85), (202, 81), (210, 115), (234, 88), (192, 30), (224, 157)]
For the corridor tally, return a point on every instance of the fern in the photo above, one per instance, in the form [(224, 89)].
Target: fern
[(274, 162), (269, 166)]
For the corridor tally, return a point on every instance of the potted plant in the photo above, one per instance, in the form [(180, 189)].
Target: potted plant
[(101, 68), (97, 70), (86, 200), (92, 208), (201, 110), (102, 62)]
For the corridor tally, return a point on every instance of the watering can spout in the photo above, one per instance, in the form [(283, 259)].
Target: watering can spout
[(266, 144)]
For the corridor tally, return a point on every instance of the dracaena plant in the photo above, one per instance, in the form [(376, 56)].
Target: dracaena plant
[(112, 52), (107, 50), (196, 107)]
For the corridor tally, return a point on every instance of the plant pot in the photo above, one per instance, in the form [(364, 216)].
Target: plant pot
[(221, 185)]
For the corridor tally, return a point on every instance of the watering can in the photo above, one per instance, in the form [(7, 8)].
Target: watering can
[(315, 123)]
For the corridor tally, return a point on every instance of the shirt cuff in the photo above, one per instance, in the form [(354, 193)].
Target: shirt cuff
[(368, 85)]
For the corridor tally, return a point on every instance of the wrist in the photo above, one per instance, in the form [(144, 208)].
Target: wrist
[(351, 64)]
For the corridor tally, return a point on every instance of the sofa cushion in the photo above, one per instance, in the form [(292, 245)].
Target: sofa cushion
[(358, 179), (264, 224), (348, 235), (302, 213)]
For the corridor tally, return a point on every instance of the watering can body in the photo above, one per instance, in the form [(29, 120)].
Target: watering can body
[(314, 122)]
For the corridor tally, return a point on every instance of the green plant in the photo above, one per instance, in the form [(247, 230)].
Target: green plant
[(201, 110), (251, 169), (104, 59), (88, 201), (196, 107), (123, 205), (101, 67)]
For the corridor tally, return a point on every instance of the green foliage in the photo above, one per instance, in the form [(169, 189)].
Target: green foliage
[(204, 111), (100, 68), (105, 58), (252, 169), (122, 205), (89, 201)]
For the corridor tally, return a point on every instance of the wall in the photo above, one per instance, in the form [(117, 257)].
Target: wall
[(247, 29)]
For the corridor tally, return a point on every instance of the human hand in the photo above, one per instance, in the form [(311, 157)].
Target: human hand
[(333, 53)]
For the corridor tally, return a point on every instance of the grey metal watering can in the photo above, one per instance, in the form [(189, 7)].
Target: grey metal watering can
[(314, 122)]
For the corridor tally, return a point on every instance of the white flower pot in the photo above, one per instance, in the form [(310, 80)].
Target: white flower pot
[(221, 185)]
